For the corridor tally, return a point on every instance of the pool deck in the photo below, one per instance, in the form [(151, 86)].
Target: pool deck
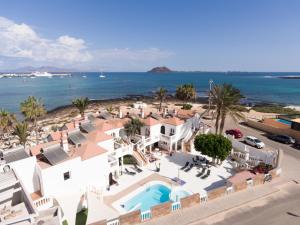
[(169, 169)]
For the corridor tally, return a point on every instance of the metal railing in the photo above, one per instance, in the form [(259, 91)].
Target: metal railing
[(113, 222), (146, 215), (176, 206)]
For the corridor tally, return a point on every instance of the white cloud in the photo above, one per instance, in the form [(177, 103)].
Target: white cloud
[(20, 40), (23, 44), (149, 54)]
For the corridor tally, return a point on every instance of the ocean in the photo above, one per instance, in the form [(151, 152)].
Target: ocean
[(58, 91)]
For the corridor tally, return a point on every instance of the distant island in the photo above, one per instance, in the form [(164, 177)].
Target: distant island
[(290, 77), (160, 69)]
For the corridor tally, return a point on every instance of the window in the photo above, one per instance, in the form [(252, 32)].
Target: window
[(67, 175), (172, 131), (162, 129)]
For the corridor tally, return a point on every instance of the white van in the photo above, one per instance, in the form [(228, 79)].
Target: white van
[(253, 141)]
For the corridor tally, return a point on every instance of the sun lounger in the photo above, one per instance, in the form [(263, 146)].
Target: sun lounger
[(201, 173), (137, 169), (189, 168), (194, 160), (129, 172), (206, 175), (185, 166)]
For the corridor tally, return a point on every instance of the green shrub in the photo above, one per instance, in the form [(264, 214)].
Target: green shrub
[(275, 109), (240, 108), (207, 106), (129, 160), (65, 222), (186, 106), (81, 217), (213, 145)]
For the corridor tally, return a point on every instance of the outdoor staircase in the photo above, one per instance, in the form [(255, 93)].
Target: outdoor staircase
[(188, 144), (140, 158)]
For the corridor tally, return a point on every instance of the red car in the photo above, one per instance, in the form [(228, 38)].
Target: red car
[(235, 132)]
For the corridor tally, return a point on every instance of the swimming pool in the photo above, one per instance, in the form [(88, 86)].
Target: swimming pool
[(149, 196), (287, 122)]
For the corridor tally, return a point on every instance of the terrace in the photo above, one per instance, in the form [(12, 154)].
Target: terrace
[(170, 168)]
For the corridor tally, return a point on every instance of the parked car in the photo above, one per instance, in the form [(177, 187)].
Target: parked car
[(253, 141), (283, 139), (234, 132)]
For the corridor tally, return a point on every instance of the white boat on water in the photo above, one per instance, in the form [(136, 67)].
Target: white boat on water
[(102, 76), (41, 74), (84, 76)]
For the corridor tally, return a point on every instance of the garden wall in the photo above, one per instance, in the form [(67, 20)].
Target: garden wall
[(216, 193), (161, 210), (274, 130), (131, 218), (190, 201), (135, 217)]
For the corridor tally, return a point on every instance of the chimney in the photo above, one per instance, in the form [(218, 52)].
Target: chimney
[(64, 141), (142, 113), (165, 113), (76, 124), (120, 113), (86, 118), (175, 112)]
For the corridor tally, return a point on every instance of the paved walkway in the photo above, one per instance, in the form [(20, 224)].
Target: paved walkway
[(98, 210), (196, 213)]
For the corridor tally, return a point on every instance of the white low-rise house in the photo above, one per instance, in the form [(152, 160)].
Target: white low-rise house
[(88, 154)]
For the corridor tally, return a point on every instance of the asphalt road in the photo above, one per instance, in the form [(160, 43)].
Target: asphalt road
[(280, 209)]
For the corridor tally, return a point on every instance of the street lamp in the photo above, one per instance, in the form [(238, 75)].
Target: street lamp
[(209, 97)]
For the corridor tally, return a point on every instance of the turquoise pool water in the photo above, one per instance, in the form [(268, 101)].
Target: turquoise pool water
[(151, 196), (284, 121)]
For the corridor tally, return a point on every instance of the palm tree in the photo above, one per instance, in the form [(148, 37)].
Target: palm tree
[(110, 109), (21, 130), (186, 92), (225, 98), (160, 94), (133, 127), (81, 104), (7, 121), (33, 108)]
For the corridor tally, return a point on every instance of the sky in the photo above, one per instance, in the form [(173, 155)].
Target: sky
[(136, 35)]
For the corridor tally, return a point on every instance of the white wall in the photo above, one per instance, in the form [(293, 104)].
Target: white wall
[(53, 177), (96, 171), (25, 169), (108, 145)]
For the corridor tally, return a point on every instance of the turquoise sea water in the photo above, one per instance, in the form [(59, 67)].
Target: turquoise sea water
[(59, 91)]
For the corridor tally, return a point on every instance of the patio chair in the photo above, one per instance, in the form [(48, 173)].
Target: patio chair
[(197, 157), (185, 166), (137, 169), (194, 160), (206, 175), (189, 168), (201, 173), (129, 172)]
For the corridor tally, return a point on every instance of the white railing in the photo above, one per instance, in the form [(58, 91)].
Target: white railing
[(176, 206), (229, 190), (113, 222), (43, 203), (146, 215)]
